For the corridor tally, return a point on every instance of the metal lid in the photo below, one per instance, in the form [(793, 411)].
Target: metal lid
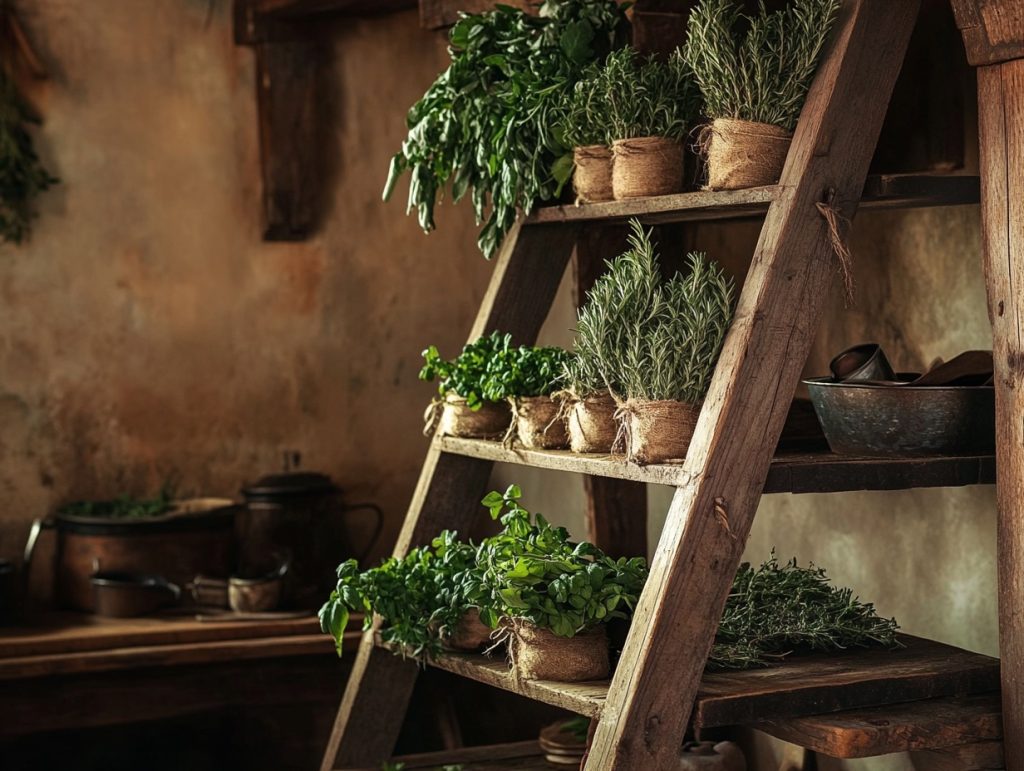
[(287, 485)]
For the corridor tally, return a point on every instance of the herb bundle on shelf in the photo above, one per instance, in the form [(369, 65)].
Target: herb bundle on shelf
[(486, 127), (753, 73)]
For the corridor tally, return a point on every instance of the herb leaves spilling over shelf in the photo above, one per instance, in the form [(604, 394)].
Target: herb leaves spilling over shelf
[(757, 68), (22, 176), (777, 608), (492, 370), (532, 571), (486, 126)]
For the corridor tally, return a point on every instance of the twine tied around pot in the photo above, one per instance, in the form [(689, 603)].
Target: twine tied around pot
[(538, 422), (742, 153), (539, 654), (656, 431), (592, 178), (590, 421), (646, 166), (838, 227)]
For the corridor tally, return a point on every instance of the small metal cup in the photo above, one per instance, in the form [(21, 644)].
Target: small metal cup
[(861, 363)]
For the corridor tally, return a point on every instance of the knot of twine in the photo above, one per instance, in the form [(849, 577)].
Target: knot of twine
[(838, 227), (624, 411)]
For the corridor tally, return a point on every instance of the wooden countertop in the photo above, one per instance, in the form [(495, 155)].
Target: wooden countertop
[(73, 643)]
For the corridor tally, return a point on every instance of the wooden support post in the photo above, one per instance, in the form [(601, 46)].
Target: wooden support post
[(523, 286), (656, 680), (993, 33)]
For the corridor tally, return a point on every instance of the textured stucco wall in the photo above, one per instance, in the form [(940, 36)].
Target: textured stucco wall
[(147, 332)]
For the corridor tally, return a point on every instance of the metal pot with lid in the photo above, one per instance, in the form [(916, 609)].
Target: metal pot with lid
[(299, 512)]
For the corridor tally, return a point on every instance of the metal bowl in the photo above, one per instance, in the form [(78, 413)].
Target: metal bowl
[(904, 420)]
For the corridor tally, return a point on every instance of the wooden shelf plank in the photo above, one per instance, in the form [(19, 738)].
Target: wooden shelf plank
[(291, 9), (790, 472), (802, 685), (883, 191), (923, 725)]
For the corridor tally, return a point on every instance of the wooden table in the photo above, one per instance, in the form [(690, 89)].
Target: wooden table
[(70, 670)]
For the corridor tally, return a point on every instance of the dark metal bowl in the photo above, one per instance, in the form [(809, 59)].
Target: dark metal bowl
[(904, 420)]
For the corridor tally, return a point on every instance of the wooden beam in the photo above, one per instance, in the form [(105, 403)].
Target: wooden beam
[(978, 756), (1001, 133), (435, 14), (993, 30), (778, 314), (523, 285)]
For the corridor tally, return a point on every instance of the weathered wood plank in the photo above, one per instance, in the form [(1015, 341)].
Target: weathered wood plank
[(790, 472), (777, 316), (868, 733), (993, 30), (526, 276), (306, 8), (881, 191), (1001, 125)]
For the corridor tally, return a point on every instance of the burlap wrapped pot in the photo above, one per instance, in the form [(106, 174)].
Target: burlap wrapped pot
[(491, 421), (539, 654), (471, 634), (657, 431), (539, 423), (646, 166), (742, 153), (592, 178), (591, 422)]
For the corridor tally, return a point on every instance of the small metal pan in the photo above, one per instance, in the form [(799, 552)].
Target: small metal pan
[(122, 595)]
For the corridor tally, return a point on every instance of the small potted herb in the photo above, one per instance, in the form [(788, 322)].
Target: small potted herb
[(585, 129), (588, 404), (753, 73), (421, 599), (662, 345), (531, 377), (470, 405), (649, 106), (553, 597)]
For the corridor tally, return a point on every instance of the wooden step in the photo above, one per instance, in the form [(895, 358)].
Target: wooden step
[(814, 472), (513, 756), (885, 191), (802, 685), (934, 724)]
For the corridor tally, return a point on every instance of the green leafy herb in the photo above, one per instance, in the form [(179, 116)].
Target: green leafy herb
[(22, 176), (531, 570), (652, 339), (777, 608), (486, 126), (420, 597), (757, 68), (492, 370), (123, 507)]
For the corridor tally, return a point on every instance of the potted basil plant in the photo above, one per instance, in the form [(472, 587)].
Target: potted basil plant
[(552, 598), (532, 375)]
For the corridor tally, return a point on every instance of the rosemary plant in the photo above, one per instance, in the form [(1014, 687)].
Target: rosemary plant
[(756, 68), (646, 97), (777, 608), (585, 112), (653, 339), (22, 176)]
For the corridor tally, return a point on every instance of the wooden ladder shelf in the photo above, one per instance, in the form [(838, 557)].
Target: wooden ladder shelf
[(659, 687)]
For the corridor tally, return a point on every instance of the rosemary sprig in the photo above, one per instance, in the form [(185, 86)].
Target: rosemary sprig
[(761, 74)]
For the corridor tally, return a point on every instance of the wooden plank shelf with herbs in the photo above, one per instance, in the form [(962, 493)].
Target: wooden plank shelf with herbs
[(678, 380)]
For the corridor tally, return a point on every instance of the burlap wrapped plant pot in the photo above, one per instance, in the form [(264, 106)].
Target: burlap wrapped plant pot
[(539, 654), (743, 154), (471, 634), (592, 179), (657, 431), (539, 423), (646, 166), (491, 421), (591, 423)]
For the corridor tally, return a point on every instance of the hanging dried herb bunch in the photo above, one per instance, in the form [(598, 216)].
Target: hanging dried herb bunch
[(22, 175), (757, 68)]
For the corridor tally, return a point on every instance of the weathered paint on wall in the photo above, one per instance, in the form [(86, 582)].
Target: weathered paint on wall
[(147, 332)]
